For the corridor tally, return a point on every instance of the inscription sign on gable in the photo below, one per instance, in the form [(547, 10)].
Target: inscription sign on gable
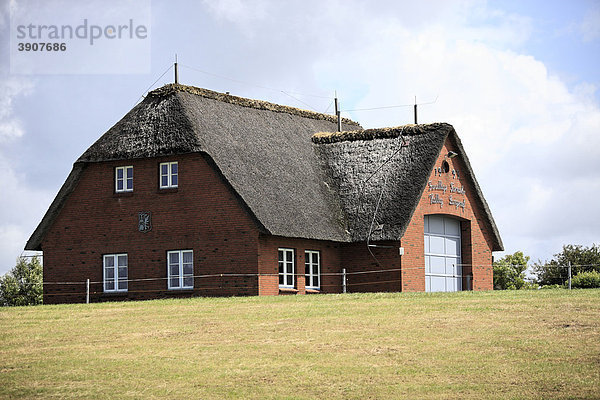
[(457, 203), (435, 198), (455, 189), (439, 186)]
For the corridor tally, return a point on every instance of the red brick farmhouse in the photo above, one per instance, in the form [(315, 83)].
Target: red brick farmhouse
[(198, 193)]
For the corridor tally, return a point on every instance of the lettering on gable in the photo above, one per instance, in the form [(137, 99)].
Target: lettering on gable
[(438, 186), (435, 199), (439, 172), (457, 203), (453, 199), (455, 189)]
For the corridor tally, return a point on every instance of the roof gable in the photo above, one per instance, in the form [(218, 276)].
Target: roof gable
[(380, 176)]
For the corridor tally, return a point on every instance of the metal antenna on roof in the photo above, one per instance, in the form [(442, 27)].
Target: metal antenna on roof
[(176, 77), (338, 113), (415, 110)]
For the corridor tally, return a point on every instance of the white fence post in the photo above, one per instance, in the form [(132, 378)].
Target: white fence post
[(569, 275), (87, 291), (343, 280)]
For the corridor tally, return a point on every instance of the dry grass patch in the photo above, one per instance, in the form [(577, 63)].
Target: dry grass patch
[(526, 344)]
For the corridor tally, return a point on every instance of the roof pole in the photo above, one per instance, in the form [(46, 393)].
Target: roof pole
[(415, 110), (338, 114), (176, 77)]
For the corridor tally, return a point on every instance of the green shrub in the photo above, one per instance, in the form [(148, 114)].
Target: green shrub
[(22, 285), (586, 280), (529, 286), (557, 286)]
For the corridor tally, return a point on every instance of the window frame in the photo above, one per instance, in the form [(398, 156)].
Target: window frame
[(310, 276), (125, 179), (169, 175), (117, 279), (181, 277), (286, 262)]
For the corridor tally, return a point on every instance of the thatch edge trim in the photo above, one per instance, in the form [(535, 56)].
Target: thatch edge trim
[(499, 246), (36, 238), (171, 88), (376, 133), (452, 135)]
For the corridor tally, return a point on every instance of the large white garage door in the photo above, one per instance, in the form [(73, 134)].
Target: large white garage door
[(443, 272)]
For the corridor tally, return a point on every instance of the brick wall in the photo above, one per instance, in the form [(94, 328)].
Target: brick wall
[(202, 214), (268, 265), (476, 239), (357, 259)]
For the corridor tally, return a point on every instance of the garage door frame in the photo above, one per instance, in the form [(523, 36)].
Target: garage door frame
[(443, 268)]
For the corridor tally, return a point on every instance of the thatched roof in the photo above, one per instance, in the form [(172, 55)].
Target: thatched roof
[(291, 186), (399, 160), (262, 150)]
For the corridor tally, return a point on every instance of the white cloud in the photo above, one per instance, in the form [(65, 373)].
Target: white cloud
[(21, 206), (10, 88), (590, 26), (245, 14)]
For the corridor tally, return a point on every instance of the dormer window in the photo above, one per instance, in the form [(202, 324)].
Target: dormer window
[(124, 179), (169, 175)]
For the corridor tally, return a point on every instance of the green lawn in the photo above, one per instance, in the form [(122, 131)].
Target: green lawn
[(513, 344)]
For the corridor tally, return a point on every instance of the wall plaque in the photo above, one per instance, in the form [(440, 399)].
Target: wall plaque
[(144, 221)]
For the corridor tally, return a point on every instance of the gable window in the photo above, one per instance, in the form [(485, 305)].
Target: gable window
[(180, 266), (115, 273), (169, 175), (124, 179), (312, 263), (287, 268)]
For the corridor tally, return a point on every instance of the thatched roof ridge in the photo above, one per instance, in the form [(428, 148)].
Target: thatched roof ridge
[(245, 102), (376, 133)]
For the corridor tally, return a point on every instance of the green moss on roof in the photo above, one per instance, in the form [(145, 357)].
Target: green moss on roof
[(244, 102), (377, 133)]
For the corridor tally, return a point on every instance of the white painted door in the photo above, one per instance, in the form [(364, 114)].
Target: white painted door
[(443, 271)]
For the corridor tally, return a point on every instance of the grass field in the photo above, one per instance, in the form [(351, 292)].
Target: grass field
[(511, 344)]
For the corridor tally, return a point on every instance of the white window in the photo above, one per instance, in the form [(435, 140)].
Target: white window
[(287, 268), (115, 273), (124, 179), (180, 266), (312, 263), (169, 175)]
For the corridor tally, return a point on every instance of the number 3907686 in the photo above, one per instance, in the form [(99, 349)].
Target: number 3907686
[(42, 46)]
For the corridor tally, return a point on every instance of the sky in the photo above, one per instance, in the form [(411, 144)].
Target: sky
[(518, 80)]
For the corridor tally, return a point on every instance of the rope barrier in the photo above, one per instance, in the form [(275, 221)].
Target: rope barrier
[(237, 275)]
